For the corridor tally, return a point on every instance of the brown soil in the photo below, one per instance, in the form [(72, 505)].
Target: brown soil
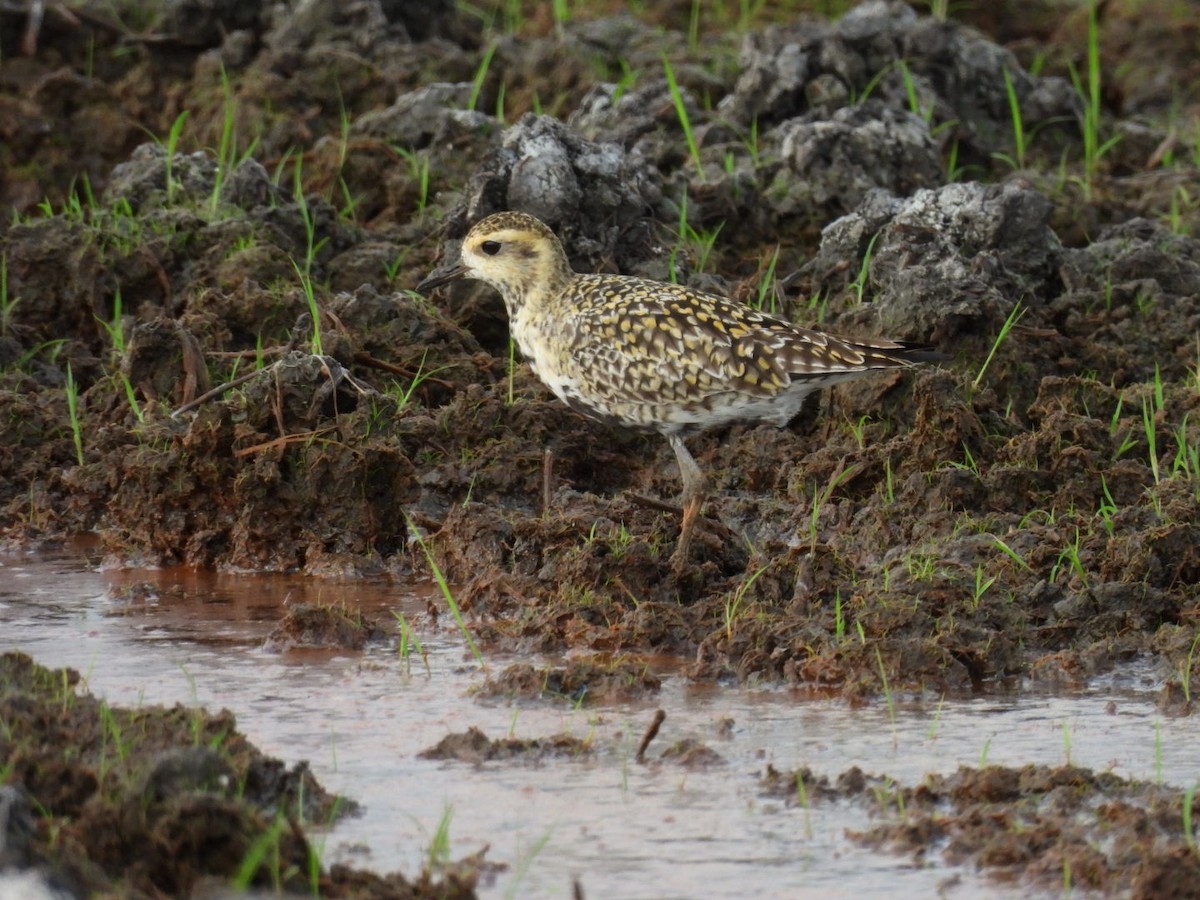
[(1026, 511), (1036, 825), (309, 625), (156, 802), (474, 746), (580, 681)]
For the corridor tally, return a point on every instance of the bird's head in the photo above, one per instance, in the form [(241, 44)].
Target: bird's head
[(513, 252)]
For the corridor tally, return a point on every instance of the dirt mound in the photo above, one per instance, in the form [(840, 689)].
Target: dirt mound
[(1034, 825)]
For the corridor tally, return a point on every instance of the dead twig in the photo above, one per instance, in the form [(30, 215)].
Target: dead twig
[(215, 392), (300, 437), (651, 734), (366, 359), (652, 503)]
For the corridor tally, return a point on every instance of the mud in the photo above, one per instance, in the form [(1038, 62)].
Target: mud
[(476, 747), (154, 801), (1025, 513), (581, 681), (362, 718), (310, 625), (1035, 826)]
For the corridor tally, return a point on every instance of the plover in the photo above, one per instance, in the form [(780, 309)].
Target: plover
[(652, 355)]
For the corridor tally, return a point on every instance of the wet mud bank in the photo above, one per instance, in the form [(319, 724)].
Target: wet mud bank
[(1035, 826), (101, 800), (211, 352)]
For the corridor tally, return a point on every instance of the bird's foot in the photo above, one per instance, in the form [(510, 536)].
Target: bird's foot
[(691, 512)]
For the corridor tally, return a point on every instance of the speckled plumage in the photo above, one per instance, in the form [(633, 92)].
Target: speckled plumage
[(654, 355)]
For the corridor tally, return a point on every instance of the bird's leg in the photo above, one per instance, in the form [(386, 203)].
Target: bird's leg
[(695, 488), (547, 480)]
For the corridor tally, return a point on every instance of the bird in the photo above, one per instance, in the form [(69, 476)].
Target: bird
[(654, 355)]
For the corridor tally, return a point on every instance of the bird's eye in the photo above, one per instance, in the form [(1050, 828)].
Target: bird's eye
[(491, 248)]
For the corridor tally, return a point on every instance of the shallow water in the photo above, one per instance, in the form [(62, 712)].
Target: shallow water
[(622, 829)]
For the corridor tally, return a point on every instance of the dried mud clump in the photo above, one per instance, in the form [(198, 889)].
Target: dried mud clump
[(948, 263), (473, 746), (691, 754), (579, 682), (312, 626)]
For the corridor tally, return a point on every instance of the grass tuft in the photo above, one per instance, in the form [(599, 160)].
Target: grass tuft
[(684, 121), (73, 412), (447, 594), (1013, 317)]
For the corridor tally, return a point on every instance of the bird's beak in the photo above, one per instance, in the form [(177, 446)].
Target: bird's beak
[(440, 276)]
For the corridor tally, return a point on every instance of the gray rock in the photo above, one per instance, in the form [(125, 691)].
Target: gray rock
[(595, 195), (947, 260), (886, 51), (249, 187), (1135, 255), (142, 179), (830, 164)]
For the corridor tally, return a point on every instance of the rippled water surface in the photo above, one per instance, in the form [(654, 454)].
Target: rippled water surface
[(622, 829)]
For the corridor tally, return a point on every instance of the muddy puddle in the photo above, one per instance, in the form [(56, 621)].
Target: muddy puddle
[(675, 825)]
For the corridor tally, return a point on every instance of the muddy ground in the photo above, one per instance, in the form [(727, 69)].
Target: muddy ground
[(153, 802), (184, 186)]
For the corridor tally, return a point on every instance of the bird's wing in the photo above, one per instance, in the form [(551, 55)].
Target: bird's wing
[(650, 338)]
